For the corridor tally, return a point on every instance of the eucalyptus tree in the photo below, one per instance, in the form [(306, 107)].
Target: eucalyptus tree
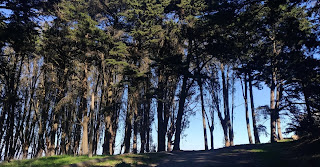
[(18, 39), (221, 43), (249, 54), (287, 31)]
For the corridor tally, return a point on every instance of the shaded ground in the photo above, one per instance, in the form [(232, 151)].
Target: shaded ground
[(293, 154), (304, 153), (130, 160), (285, 154)]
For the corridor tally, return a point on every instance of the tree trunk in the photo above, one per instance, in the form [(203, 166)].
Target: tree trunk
[(279, 94), (84, 143), (148, 124), (273, 134), (254, 122), (92, 116), (183, 96), (225, 133), (107, 135), (135, 122), (160, 115), (211, 137), (144, 118), (226, 121), (306, 99), (245, 97), (128, 127), (203, 115)]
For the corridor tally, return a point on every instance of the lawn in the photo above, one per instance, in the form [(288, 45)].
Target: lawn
[(287, 153), (132, 160), (53, 161)]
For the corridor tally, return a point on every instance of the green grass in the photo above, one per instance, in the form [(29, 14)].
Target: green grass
[(285, 140), (132, 160), (288, 153), (53, 161)]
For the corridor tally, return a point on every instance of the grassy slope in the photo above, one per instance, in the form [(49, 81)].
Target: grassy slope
[(129, 160), (304, 153), (53, 161), (285, 154)]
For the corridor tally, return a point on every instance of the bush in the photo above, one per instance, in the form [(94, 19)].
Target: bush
[(305, 127)]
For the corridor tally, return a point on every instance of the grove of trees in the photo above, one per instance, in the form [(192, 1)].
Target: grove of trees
[(72, 70)]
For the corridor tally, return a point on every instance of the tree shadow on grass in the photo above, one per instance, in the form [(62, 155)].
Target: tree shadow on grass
[(262, 155)]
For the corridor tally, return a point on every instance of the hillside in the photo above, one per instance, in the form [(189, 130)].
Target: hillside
[(285, 154)]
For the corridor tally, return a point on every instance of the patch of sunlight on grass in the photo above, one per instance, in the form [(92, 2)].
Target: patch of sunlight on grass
[(284, 140), (52, 161), (132, 159), (239, 150), (257, 151)]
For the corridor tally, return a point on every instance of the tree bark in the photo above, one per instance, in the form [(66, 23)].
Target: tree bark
[(245, 97), (84, 142), (135, 122), (226, 121), (203, 115), (254, 121), (279, 94), (160, 114), (183, 96), (128, 127), (273, 134)]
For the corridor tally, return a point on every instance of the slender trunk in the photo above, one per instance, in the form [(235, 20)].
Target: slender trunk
[(306, 99), (92, 116), (225, 133), (226, 121), (170, 133), (160, 115), (147, 116), (135, 122), (228, 118), (144, 118), (85, 120), (128, 127), (183, 96), (203, 115), (211, 136), (223, 124), (279, 94), (107, 135), (254, 121), (272, 109), (148, 124), (84, 144), (245, 97), (184, 91), (143, 130)]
